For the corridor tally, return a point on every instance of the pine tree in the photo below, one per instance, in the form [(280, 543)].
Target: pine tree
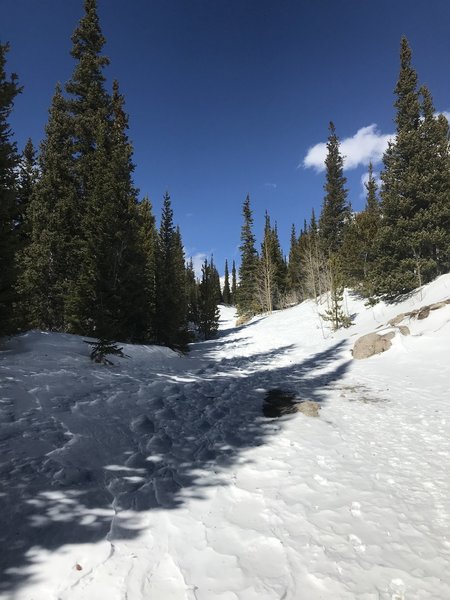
[(411, 241), (94, 293), (247, 293), (335, 313), (192, 293), (27, 179), (144, 319), (226, 286), (105, 299), (266, 274), (51, 260), (215, 278), (208, 309), (313, 260), (433, 193), (233, 284), (181, 299), (272, 271), (358, 252), (336, 209), (171, 299), (295, 276), (120, 277), (9, 161), (280, 275)]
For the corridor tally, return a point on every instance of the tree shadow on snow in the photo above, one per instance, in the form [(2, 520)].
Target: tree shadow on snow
[(172, 441)]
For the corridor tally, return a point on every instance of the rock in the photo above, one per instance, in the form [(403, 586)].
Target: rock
[(423, 313), (438, 305), (404, 330), (308, 408), (398, 319), (372, 343), (280, 402)]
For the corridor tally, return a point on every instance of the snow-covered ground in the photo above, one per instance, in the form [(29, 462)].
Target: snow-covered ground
[(158, 478)]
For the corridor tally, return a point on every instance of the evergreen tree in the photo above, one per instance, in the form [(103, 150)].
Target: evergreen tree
[(266, 274), (181, 292), (102, 294), (9, 161), (413, 240), (280, 275), (216, 282), (51, 260), (192, 293), (313, 261), (433, 192), (335, 313), (247, 292), (27, 178), (358, 252), (233, 284), (146, 268), (272, 271), (171, 299), (226, 286), (208, 309), (336, 209), (120, 282), (294, 271), (94, 294)]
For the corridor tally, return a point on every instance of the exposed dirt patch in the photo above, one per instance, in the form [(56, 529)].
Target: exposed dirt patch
[(282, 402)]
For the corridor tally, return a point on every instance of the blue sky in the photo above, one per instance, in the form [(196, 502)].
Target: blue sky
[(226, 97)]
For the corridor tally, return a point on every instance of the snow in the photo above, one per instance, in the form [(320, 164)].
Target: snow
[(158, 477)]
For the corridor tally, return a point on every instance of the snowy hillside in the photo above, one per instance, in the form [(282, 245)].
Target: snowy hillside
[(158, 478)]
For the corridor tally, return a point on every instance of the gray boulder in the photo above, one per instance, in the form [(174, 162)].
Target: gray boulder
[(371, 344)]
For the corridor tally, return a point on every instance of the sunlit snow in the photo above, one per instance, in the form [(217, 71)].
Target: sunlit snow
[(158, 478)]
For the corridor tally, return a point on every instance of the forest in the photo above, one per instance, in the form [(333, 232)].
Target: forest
[(81, 252)]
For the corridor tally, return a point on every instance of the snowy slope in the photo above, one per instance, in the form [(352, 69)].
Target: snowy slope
[(158, 478)]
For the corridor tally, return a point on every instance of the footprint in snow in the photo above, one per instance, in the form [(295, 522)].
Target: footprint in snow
[(355, 509), (321, 480), (397, 587), (142, 424), (357, 543)]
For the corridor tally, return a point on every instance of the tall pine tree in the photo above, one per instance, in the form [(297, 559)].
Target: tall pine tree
[(413, 240), (9, 161), (27, 179), (171, 298), (208, 309), (247, 291), (336, 209), (233, 284), (51, 260), (295, 276), (226, 286), (144, 310), (358, 251)]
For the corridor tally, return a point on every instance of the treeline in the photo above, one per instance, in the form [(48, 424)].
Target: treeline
[(400, 241), (79, 252)]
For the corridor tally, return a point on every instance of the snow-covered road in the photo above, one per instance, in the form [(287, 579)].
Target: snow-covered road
[(158, 478)]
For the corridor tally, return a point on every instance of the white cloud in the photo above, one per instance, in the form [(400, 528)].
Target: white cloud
[(198, 259), (368, 144), (271, 185)]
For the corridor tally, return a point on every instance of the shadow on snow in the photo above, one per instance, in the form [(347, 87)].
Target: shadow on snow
[(135, 446)]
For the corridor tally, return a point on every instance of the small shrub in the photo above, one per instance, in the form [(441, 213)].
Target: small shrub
[(102, 349)]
